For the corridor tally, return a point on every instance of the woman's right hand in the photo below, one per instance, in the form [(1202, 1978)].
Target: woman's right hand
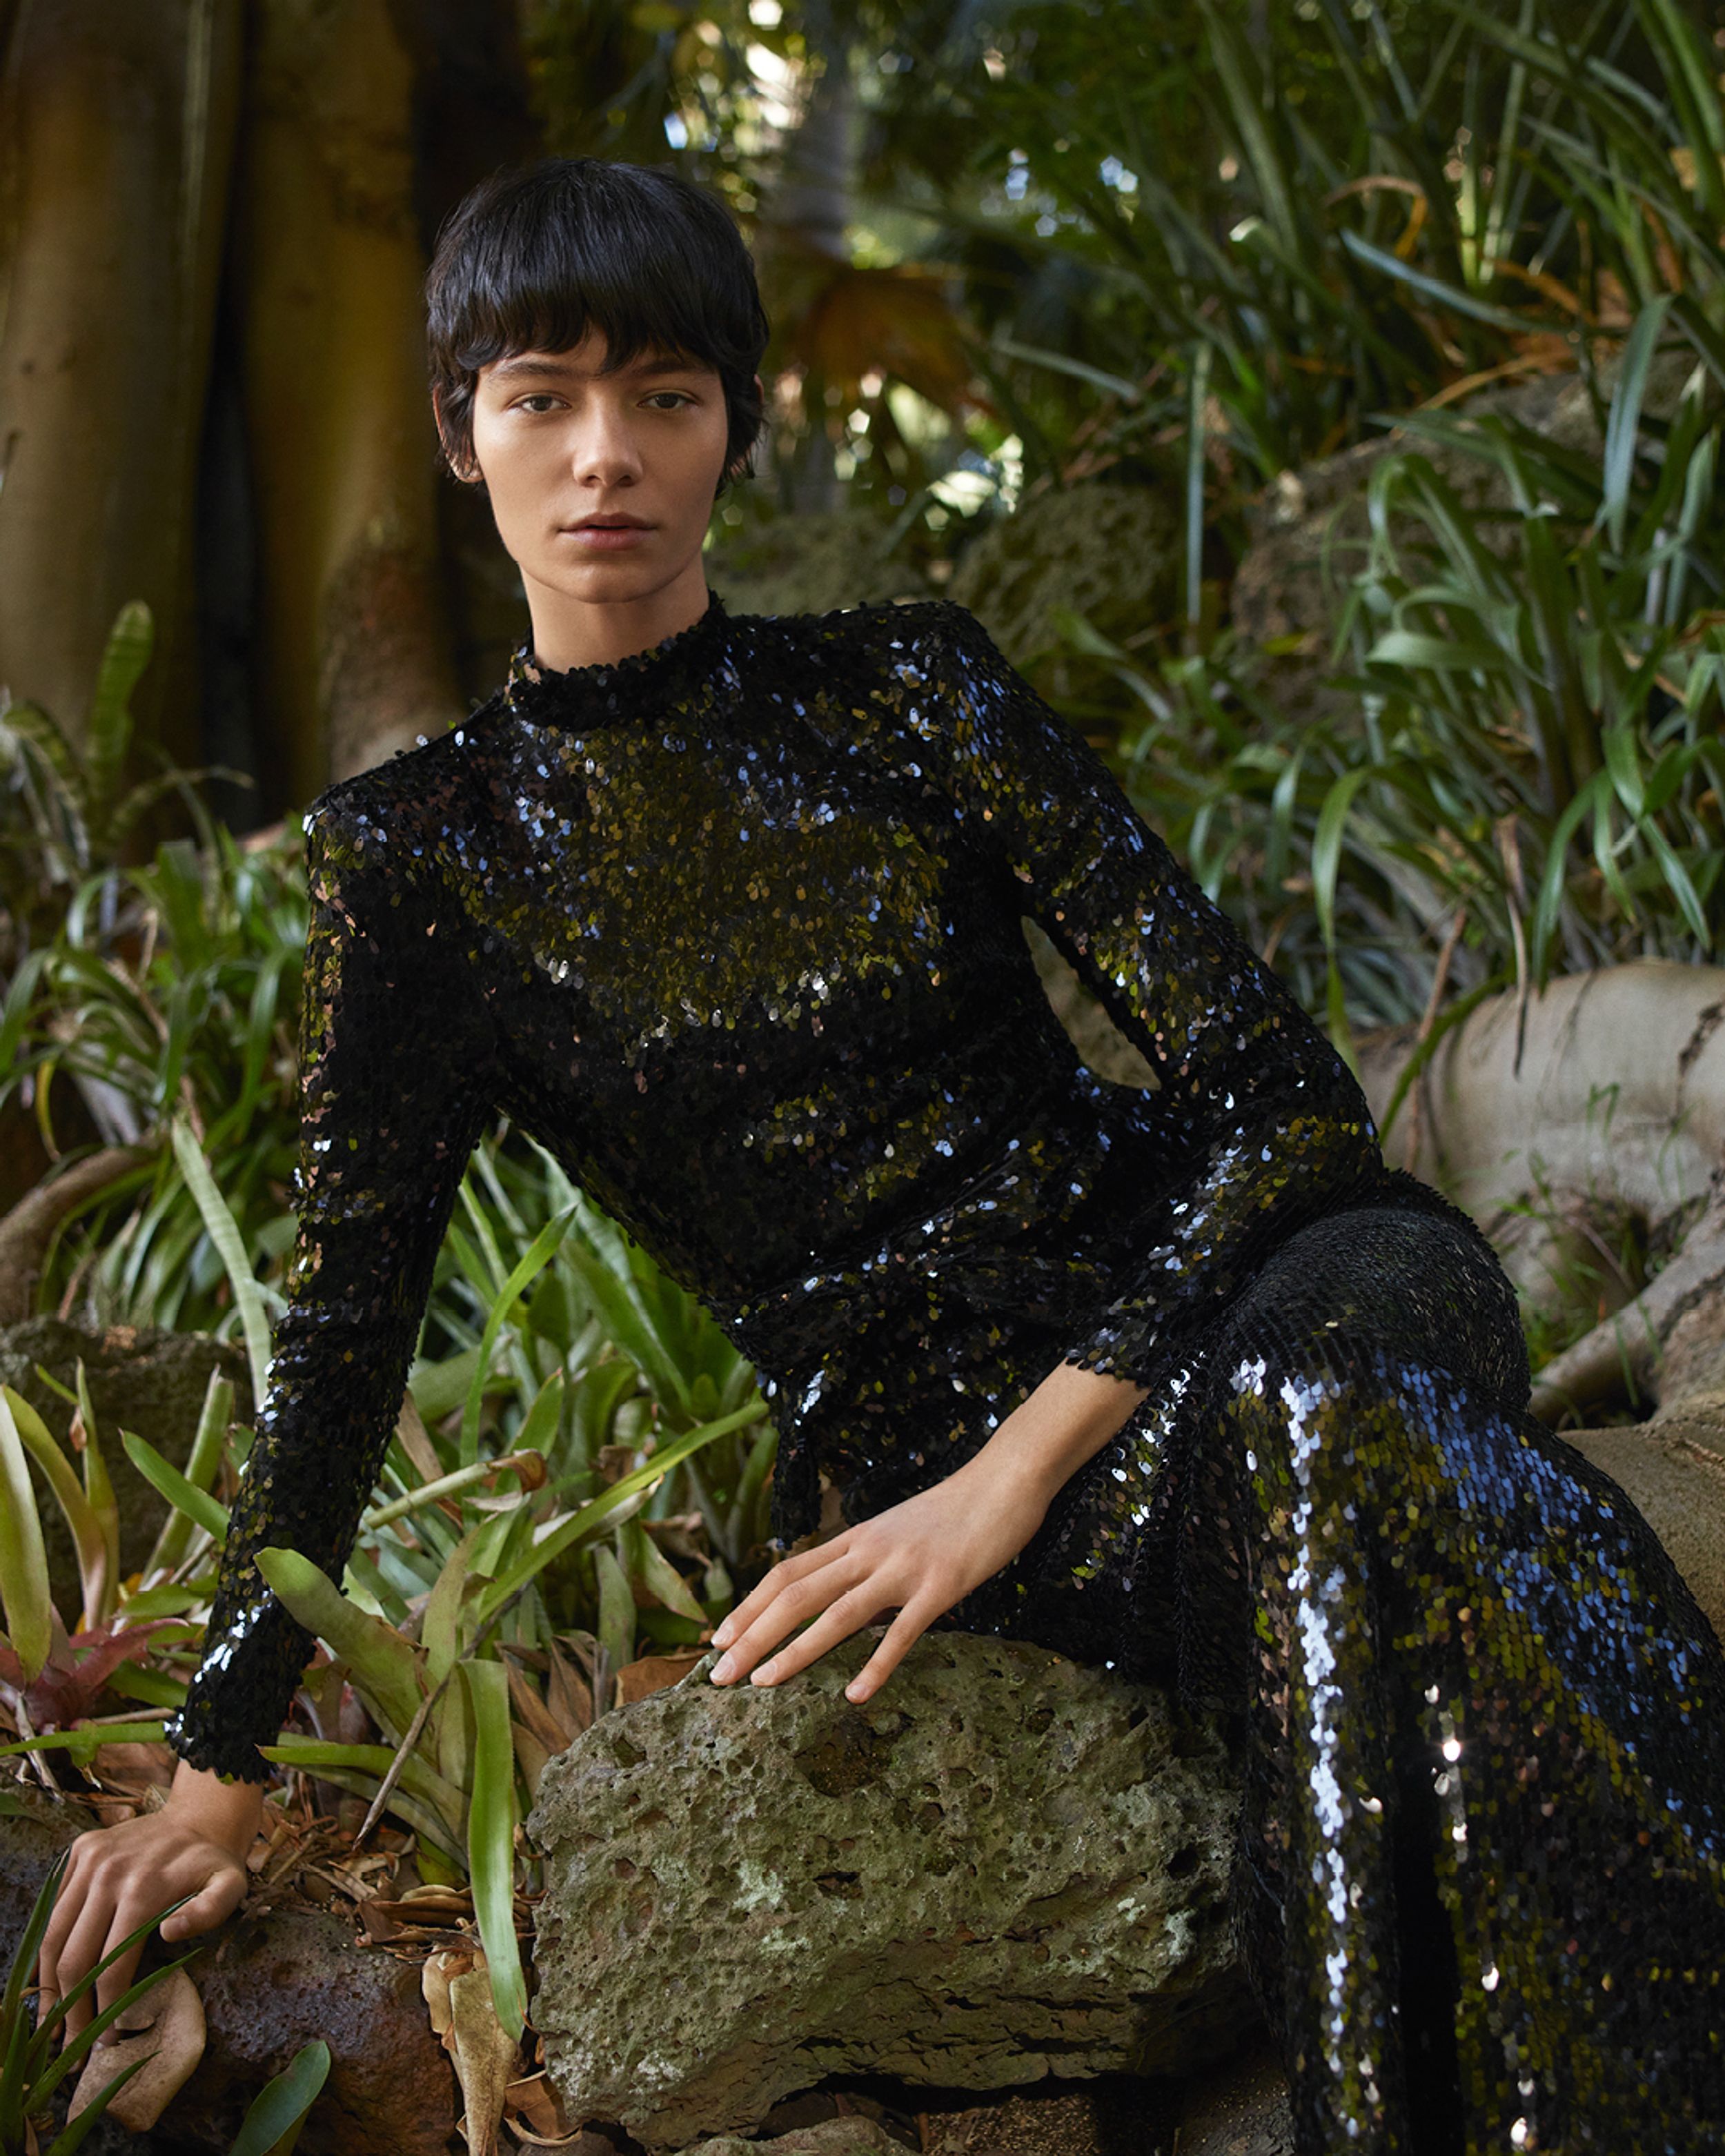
[(117, 1876)]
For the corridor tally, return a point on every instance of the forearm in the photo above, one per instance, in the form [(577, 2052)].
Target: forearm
[(1048, 1437)]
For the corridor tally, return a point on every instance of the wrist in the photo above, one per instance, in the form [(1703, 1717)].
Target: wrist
[(1054, 1431), (229, 1813)]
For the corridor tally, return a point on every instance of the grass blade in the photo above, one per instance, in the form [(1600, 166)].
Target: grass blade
[(23, 1561), (220, 1226), (206, 1512), (491, 1816), (1624, 424)]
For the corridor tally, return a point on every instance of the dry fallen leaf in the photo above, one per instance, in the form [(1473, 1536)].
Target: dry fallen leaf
[(536, 2113), (457, 1990), (654, 1672), (165, 2028)]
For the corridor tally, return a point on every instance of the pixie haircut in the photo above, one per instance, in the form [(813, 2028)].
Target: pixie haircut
[(538, 254)]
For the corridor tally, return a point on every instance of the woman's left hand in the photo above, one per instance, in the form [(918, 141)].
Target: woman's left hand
[(917, 1558)]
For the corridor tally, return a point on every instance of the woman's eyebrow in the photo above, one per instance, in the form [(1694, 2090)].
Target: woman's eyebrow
[(525, 364)]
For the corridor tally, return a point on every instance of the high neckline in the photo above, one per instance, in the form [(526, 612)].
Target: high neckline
[(535, 690)]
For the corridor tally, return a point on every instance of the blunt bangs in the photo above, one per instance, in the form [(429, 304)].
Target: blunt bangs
[(538, 256)]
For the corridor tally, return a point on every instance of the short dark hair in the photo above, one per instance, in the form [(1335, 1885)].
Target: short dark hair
[(537, 254)]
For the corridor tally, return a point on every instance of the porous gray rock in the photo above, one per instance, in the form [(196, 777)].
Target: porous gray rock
[(1111, 553), (1004, 1865), (810, 562), (145, 1379), (833, 2137)]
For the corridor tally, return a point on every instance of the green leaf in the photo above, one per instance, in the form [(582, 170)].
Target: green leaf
[(23, 1561), (99, 1492), (163, 1476), (371, 1762), (440, 1631), (536, 1257), (88, 1540), (81, 1743), (272, 2125), (109, 730), (1327, 846), (491, 1817), (1623, 425), (1622, 760), (617, 1611), (384, 1666), (214, 1415), (658, 1574), (220, 1226), (598, 1510)]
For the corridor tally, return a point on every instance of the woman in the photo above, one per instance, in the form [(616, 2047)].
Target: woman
[(727, 912)]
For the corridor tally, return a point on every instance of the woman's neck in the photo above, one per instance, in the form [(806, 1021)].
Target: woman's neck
[(570, 633)]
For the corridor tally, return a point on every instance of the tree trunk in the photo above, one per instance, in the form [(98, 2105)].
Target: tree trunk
[(117, 132), (1615, 1105), (354, 639), (801, 239)]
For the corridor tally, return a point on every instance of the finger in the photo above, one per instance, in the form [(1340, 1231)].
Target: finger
[(911, 1622), (848, 1615), (204, 1912), (92, 1935), (113, 1981), (804, 1598), (765, 1592), (68, 1902)]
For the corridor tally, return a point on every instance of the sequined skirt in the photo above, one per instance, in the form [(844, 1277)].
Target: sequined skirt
[(1480, 1885)]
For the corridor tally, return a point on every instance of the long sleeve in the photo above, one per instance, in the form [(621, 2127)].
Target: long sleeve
[(1263, 1123), (394, 1069)]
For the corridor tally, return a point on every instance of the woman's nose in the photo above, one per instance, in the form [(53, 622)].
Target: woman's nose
[(606, 451)]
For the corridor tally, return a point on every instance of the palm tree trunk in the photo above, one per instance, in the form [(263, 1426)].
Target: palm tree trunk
[(116, 131), (353, 631)]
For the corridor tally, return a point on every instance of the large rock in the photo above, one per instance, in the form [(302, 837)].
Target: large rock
[(1005, 1864), (810, 563), (1309, 529), (143, 1378), (1111, 553)]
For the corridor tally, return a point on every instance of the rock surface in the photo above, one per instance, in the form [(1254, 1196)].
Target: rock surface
[(1006, 1864), (833, 2137), (809, 563), (1111, 552), (143, 1378)]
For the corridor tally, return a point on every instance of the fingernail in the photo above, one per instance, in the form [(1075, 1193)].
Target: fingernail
[(763, 1674), (722, 1637), (722, 1669)]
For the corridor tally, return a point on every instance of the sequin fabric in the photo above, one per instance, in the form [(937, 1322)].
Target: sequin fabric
[(734, 927)]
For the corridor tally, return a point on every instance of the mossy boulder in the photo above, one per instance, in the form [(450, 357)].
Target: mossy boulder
[(1111, 552), (810, 564), (1005, 1864), (141, 1377)]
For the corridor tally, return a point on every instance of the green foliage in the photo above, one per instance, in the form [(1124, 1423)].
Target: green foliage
[(169, 989), (272, 2123)]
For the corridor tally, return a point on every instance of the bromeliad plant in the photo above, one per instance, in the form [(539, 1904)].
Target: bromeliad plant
[(576, 1481)]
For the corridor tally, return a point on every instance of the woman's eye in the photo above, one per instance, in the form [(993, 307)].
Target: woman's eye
[(682, 393), (538, 396)]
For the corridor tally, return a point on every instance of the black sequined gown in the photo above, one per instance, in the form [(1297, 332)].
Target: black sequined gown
[(734, 928)]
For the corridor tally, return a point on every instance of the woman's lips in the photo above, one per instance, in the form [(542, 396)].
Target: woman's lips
[(609, 538)]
